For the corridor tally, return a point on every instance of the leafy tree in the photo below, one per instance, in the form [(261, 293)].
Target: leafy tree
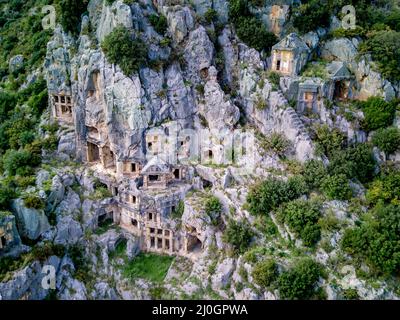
[(70, 12), (252, 32), (271, 193), (248, 28), (377, 240), (378, 113), (388, 139), (354, 162), (299, 282), (384, 47), (6, 195), (239, 235), (19, 162), (385, 189), (314, 172), (302, 218), (120, 48), (336, 187), (329, 141), (310, 15)]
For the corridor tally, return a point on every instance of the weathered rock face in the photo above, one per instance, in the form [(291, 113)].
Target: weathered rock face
[(198, 53), (218, 110), (26, 284), (107, 17), (9, 234), (57, 64), (31, 222)]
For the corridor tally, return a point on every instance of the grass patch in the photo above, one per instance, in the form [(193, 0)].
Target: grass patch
[(149, 266)]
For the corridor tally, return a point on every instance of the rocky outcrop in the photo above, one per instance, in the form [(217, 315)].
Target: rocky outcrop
[(31, 222)]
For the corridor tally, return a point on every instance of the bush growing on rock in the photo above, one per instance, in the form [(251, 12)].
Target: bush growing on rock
[(270, 194), (120, 48), (378, 113), (314, 172), (336, 187), (354, 162), (239, 235), (248, 28), (385, 189), (19, 162), (384, 47), (265, 273), (6, 195), (253, 33), (302, 218), (277, 143), (329, 141), (387, 140), (159, 23), (70, 12), (311, 15), (33, 202), (376, 240), (213, 209), (299, 281)]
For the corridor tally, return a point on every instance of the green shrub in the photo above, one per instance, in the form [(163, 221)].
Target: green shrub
[(276, 142), (265, 273), (311, 15), (387, 140), (159, 23), (178, 212), (253, 33), (8, 101), (248, 28), (274, 78), (121, 49), (210, 15), (376, 240), (239, 235), (384, 47), (299, 282), (33, 202), (270, 194), (329, 141), (314, 172), (70, 12), (46, 250), (6, 195), (350, 294), (213, 209), (349, 33), (336, 187), (378, 113), (19, 162), (302, 218), (354, 162), (385, 189)]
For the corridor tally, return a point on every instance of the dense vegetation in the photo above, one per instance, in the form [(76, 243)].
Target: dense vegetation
[(377, 239), (122, 49), (302, 218), (248, 28), (299, 281)]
